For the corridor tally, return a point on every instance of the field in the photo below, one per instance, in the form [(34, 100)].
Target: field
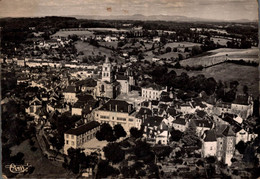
[(181, 44), (109, 44), (108, 29), (245, 75), (220, 41), (219, 55), (67, 33), (90, 50)]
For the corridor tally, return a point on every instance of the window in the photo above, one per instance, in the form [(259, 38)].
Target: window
[(121, 119), (104, 117), (131, 120), (67, 136), (67, 142), (72, 143), (31, 110), (72, 136)]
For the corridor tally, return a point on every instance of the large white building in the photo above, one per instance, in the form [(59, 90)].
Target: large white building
[(152, 92), (76, 137), (118, 112)]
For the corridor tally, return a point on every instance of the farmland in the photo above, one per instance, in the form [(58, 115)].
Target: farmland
[(90, 50), (219, 55), (245, 75), (67, 33)]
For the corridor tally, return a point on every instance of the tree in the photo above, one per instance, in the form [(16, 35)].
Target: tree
[(119, 131), (77, 160), (105, 133), (176, 135), (168, 49), (134, 132), (105, 170), (241, 147), (196, 50), (114, 153), (190, 137)]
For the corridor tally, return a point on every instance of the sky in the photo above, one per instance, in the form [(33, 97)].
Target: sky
[(207, 9)]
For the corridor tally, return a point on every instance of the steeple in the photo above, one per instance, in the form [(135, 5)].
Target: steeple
[(107, 71), (107, 60)]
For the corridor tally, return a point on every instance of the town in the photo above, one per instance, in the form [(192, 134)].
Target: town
[(126, 99)]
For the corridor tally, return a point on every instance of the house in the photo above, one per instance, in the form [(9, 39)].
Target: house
[(219, 142), (118, 112), (180, 124), (76, 137), (156, 130), (186, 108), (243, 135), (70, 95), (226, 140), (34, 105), (124, 84), (209, 145), (144, 113), (152, 92), (156, 39), (202, 125), (242, 106)]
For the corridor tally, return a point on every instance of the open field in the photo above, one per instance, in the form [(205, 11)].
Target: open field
[(108, 29), (67, 33), (90, 50), (181, 44), (43, 167), (219, 55), (109, 44), (220, 41), (245, 75)]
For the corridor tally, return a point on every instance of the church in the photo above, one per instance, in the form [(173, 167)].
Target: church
[(107, 86)]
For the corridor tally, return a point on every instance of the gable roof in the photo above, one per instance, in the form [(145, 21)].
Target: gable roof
[(117, 105), (210, 136), (83, 128), (144, 111), (203, 123), (153, 121), (228, 132), (180, 121)]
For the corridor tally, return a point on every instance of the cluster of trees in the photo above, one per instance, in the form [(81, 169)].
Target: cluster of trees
[(93, 59), (62, 123), (190, 138), (110, 134), (243, 62), (78, 160)]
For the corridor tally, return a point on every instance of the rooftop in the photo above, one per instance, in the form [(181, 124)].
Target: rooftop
[(83, 128)]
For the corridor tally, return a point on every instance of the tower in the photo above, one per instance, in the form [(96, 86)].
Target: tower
[(107, 71)]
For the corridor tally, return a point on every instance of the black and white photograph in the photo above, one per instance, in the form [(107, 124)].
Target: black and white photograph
[(132, 89)]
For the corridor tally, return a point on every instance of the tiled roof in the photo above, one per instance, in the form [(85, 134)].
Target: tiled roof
[(210, 136), (144, 111), (241, 99), (203, 123), (83, 129), (228, 132), (70, 89), (117, 105), (180, 121), (153, 121)]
